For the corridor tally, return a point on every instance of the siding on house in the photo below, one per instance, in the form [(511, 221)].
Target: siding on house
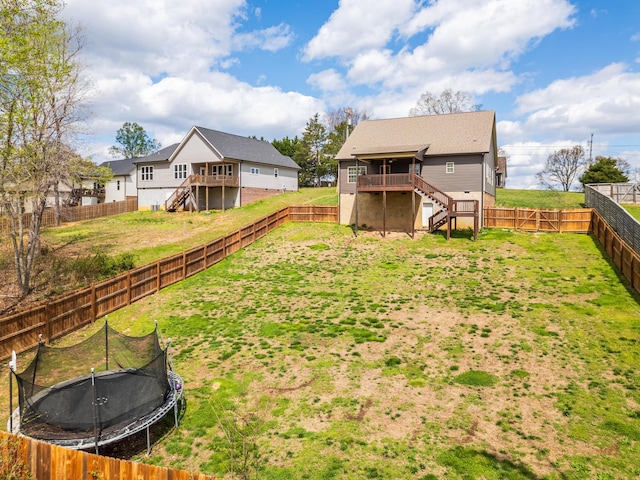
[(467, 173), (468, 140), (287, 178)]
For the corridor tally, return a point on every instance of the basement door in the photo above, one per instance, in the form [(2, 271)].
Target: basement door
[(427, 211)]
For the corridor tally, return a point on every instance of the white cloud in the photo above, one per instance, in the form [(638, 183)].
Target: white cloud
[(157, 36), (607, 102), (327, 80), (526, 159), (468, 44), (358, 25), (270, 39)]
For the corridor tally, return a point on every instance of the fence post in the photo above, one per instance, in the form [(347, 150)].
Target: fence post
[(184, 265), (93, 302), (158, 276), (48, 315), (128, 287)]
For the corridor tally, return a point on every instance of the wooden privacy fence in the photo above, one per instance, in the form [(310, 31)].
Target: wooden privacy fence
[(621, 253), (536, 220), (45, 461), (69, 312), (618, 192), (76, 214), (615, 215)]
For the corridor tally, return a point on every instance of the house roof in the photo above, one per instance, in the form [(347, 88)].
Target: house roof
[(449, 134), (502, 166), (161, 155), (120, 167), (235, 147)]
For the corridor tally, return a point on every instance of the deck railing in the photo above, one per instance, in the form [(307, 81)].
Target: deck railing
[(215, 180), (386, 180)]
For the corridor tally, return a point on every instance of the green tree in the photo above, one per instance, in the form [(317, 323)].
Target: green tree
[(40, 103), (287, 146), (562, 168), (134, 142), (309, 154), (604, 170)]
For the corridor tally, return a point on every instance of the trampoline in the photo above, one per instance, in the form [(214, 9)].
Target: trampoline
[(99, 391)]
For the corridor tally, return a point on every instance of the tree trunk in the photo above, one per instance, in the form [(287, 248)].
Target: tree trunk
[(26, 251), (56, 193)]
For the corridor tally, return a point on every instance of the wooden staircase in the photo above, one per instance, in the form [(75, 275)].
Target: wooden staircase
[(451, 209), (180, 196)]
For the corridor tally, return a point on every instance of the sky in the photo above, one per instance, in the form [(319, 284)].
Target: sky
[(558, 73)]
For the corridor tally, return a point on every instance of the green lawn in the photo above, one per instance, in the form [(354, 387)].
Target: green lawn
[(334, 357), (634, 210), (539, 199)]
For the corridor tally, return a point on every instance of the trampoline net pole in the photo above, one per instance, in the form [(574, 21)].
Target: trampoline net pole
[(10, 402), (106, 341), (95, 407)]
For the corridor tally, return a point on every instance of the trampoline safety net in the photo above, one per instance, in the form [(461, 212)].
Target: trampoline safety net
[(60, 398)]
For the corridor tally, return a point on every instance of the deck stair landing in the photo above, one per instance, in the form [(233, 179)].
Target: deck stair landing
[(450, 208)]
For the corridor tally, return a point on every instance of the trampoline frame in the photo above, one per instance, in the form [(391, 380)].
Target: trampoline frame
[(172, 398)]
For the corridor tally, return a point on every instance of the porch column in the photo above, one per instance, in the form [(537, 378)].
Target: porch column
[(357, 173), (206, 182)]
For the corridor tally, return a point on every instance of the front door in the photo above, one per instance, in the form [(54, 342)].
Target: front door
[(203, 171)]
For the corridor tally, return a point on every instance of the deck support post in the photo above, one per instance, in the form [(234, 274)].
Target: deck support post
[(384, 213), (357, 175)]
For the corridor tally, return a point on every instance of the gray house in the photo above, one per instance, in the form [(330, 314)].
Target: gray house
[(421, 173), (209, 169)]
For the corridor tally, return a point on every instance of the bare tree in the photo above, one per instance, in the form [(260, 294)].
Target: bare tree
[(562, 168), (40, 98), (448, 102)]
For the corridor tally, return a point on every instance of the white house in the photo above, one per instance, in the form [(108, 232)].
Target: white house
[(124, 181), (213, 170)]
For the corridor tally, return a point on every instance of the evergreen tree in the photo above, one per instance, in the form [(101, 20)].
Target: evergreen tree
[(604, 170), (309, 154), (287, 146)]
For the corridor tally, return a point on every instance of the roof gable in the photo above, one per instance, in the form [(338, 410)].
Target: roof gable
[(450, 134), (120, 167), (235, 147), (161, 155)]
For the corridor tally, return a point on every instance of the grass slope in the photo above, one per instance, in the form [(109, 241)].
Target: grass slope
[(545, 199), (339, 357)]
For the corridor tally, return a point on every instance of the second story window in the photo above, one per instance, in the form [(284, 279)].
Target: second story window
[(180, 171), (276, 172), (117, 184), (255, 171), (449, 167), (146, 173)]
